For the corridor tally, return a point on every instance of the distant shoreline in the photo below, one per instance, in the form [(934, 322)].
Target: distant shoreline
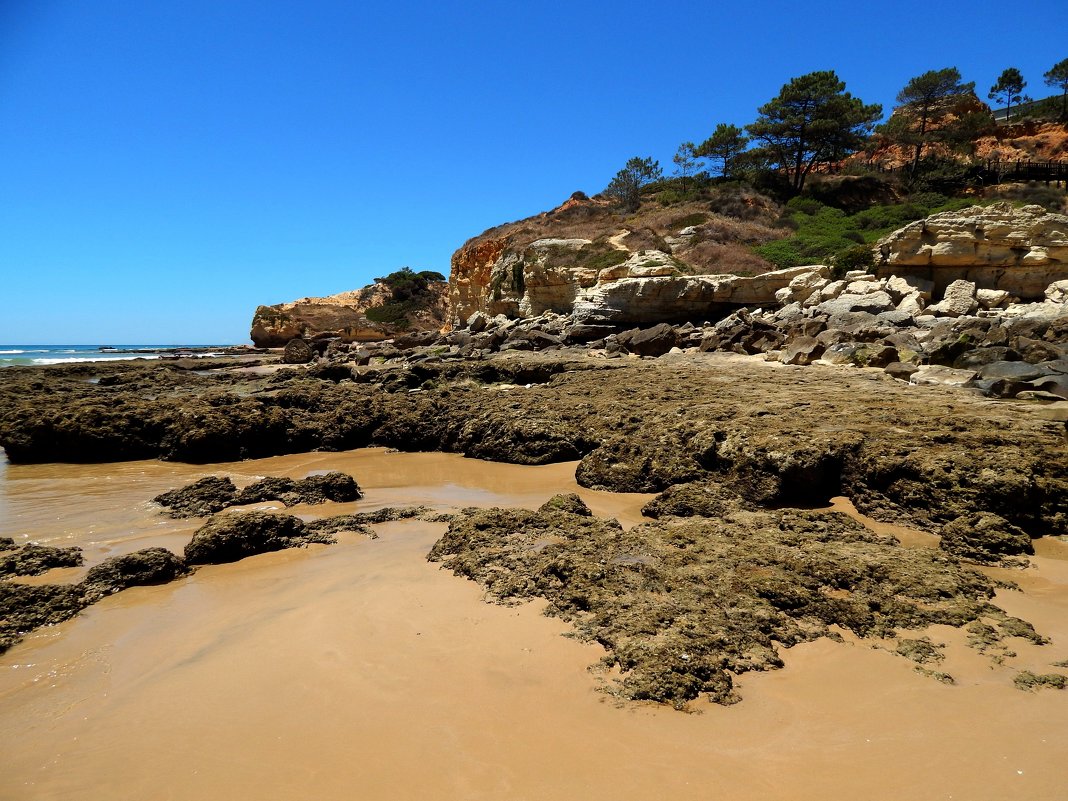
[(49, 355)]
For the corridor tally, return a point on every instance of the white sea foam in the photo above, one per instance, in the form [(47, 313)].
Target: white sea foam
[(90, 359), (17, 351)]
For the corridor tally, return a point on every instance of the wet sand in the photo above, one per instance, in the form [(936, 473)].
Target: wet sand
[(361, 671)]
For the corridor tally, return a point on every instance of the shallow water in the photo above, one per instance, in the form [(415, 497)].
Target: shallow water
[(361, 671)]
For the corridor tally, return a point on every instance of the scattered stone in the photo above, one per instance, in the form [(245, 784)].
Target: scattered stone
[(1026, 680), (1057, 292), (802, 350), (655, 341), (959, 300), (991, 298), (937, 375), (901, 370)]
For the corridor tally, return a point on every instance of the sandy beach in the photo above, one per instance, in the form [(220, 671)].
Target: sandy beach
[(361, 669)]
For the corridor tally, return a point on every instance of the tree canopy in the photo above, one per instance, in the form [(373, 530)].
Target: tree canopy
[(925, 102), (626, 186), (1057, 77), (1008, 89), (812, 120), (724, 146)]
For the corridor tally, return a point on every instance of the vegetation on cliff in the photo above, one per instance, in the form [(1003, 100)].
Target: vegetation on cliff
[(409, 292)]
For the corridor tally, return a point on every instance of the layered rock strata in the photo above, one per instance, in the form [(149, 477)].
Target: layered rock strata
[(1017, 250)]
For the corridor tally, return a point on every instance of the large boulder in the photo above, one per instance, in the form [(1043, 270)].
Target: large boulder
[(1019, 250), (655, 341), (230, 537)]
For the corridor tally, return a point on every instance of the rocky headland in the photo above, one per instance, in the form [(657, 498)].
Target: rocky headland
[(362, 315)]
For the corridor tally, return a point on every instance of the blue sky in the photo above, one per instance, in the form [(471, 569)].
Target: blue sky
[(167, 166)]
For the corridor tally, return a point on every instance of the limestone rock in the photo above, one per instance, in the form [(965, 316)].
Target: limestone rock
[(1057, 292), (901, 287), (958, 301), (873, 303), (934, 375), (802, 350), (344, 316), (1019, 250)]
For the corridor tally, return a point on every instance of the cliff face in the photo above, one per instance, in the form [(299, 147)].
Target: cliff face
[(1020, 250), (568, 258), (345, 316)]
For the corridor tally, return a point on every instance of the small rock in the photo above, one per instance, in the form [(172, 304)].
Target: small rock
[(145, 567), (901, 370), (801, 350), (991, 298)]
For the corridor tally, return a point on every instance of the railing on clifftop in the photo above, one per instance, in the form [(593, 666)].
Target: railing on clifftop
[(988, 172)]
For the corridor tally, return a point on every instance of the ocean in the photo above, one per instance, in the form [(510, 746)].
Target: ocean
[(23, 355)]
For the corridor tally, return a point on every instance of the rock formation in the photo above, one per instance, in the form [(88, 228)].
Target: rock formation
[(344, 316), (1018, 250), (657, 265)]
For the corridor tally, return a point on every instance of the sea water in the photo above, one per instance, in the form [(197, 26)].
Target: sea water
[(22, 355)]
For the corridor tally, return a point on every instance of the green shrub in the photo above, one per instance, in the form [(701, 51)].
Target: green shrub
[(805, 205), (685, 222), (858, 257), (782, 253)]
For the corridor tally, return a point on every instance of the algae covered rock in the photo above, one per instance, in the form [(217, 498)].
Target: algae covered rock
[(570, 503), (984, 537), (696, 499), (333, 486), (145, 567), (203, 497), (230, 537), (24, 607), (33, 559), (683, 606)]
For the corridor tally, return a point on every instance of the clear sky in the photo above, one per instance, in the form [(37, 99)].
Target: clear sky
[(168, 165)]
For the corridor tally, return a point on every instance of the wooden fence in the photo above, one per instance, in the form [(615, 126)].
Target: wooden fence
[(988, 172)]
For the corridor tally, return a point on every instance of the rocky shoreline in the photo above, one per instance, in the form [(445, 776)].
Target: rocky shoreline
[(739, 436)]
